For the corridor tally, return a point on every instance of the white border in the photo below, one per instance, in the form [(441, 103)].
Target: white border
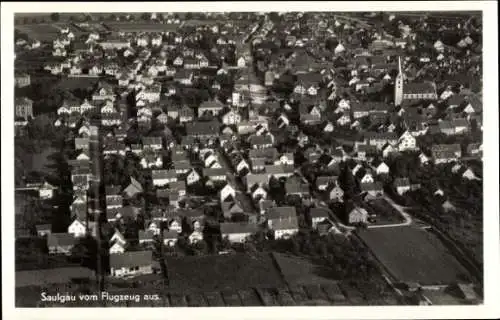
[(490, 308)]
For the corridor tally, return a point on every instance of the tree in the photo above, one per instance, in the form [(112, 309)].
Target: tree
[(54, 16)]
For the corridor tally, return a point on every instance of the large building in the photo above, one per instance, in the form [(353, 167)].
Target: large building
[(412, 91)]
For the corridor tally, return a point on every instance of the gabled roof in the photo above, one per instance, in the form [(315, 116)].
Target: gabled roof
[(60, 239), (277, 213), (131, 259), (402, 182), (235, 227), (286, 224), (319, 212)]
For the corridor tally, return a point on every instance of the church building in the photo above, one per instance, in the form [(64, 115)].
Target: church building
[(412, 91)]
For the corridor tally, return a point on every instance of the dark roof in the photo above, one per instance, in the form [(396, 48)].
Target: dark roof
[(203, 128), (285, 224), (163, 174), (235, 227), (281, 212), (60, 239), (319, 213), (419, 87), (376, 186), (131, 259), (401, 182)]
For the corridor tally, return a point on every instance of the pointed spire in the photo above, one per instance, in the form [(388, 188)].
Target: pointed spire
[(399, 64)]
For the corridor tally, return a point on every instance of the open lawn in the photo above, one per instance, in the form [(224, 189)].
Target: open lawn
[(414, 255), (298, 270), (40, 161), (231, 272), (141, 26), (39, 31)]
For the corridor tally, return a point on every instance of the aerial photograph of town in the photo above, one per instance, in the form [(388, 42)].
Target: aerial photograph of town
[(248, 159)]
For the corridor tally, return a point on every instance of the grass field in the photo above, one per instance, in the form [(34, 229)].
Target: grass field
[(231, 272), (39, 31), (300, 271), (141, 26), (414, 255)]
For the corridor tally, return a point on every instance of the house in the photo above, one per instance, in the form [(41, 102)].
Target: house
[(163, 177), (170, 237), (43, 229), (151, 159), (230, 208), (469, 174), (154, 143), (329, 127), (118, 237), (228, 192), (367, 178), (175, 224), (195, 236), (133, 188), (215, 174), (318, 215), (372, 190), (475, 149), (382, 168), (388, 150), (231, 117), (203, 129), (448, 206), (117, 247), (380, 139), (402, 185), (58, 243), (24, 108), (286, 159), (407, 142), (146, 237), (193, 177), (443, 153), (275, 214), (284, 229), (77, 228), (184, 77), (237, 232), (131, 263), (344, 120), (213, 107), (336, 194), (324, 182), (22, 79), (358, 215), (186, 114)]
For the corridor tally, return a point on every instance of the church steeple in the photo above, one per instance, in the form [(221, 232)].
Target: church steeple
[(398, 85)]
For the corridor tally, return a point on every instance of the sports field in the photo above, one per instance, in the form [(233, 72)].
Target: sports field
[(414, 255)]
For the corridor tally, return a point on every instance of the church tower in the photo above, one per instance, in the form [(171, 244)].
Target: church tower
[(398, 85)]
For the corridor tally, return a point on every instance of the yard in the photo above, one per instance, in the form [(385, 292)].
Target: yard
[(228, 272), (384, 212), (414, 255)]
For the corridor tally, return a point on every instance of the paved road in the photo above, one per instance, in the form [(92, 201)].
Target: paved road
[(246, 200), (408, 218)]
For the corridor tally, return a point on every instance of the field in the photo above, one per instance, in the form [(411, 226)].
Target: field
[(40, 31), (414, 255), (141, 27), (300, 271), (239, 271)]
